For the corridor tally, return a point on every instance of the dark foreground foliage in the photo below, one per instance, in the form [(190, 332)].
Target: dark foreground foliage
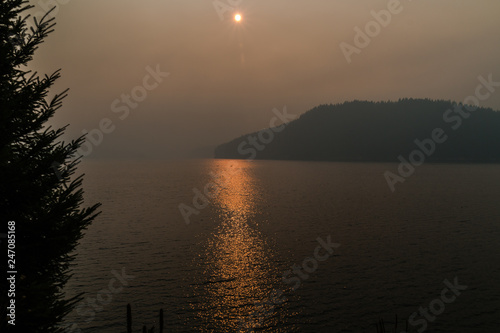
[(37, 188)]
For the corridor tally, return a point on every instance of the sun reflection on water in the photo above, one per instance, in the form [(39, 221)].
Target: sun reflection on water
[(238, 264)]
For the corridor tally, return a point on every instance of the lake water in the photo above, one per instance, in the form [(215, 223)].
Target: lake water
[(396, 249)]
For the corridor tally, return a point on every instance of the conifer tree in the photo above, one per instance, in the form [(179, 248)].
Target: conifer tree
[(39, 190)]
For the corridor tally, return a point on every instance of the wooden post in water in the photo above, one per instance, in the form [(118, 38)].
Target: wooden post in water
[(129, 319), (161, 320), (144, 328)]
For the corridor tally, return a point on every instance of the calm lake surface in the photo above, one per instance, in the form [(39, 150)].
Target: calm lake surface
[(396, 249)]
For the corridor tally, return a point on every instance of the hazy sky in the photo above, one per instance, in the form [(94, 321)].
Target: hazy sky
[(226, 77)]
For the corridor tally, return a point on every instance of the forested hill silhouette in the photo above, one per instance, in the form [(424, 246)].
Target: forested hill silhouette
[(378, 131)]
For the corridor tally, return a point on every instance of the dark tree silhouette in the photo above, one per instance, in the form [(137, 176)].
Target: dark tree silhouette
[(37, 188), (377, 132)]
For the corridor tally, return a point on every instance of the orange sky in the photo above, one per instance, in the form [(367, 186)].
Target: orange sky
[(226, 77)]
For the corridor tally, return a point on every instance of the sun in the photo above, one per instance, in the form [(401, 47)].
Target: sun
[(237, 17)]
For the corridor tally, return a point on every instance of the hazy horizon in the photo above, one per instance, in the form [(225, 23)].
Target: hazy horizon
[(225, 77)]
